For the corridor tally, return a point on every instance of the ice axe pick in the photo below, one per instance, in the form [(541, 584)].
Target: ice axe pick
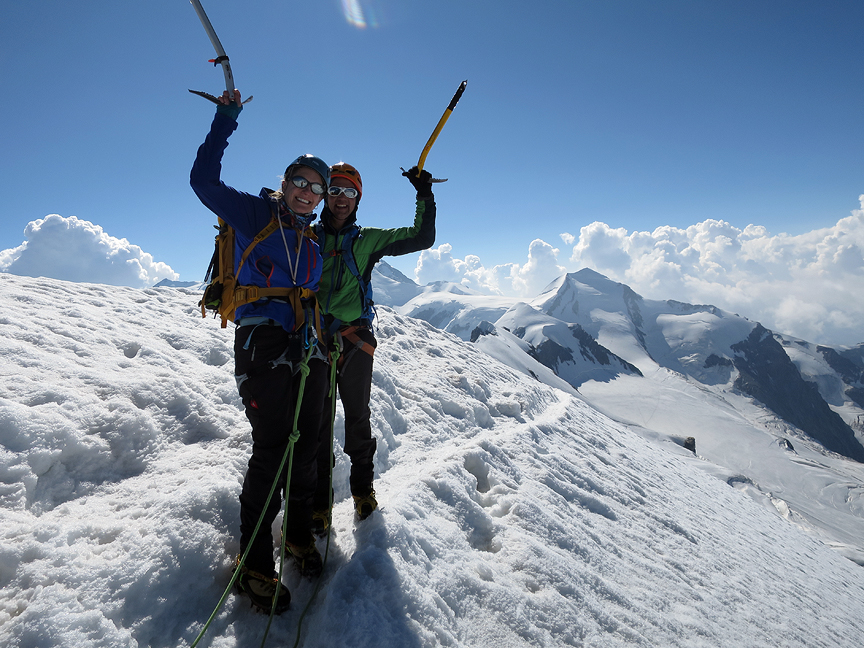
[(221, 56)]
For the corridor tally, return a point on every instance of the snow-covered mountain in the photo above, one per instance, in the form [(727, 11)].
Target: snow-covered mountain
[(669, 369), (512, 513), (585, 327)]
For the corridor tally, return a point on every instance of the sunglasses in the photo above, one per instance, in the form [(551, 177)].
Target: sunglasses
[(350, 192), (316, 187)]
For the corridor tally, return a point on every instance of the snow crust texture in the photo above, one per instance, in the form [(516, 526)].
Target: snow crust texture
[(512, 513)]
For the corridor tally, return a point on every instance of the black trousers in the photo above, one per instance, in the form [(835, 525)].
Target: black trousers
[(354, 381), (270, 396)]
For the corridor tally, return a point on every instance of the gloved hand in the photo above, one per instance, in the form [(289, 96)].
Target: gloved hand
[(229, 107), (231, 110), (423, 184)]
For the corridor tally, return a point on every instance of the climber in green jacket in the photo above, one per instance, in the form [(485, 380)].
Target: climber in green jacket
[(345, 298)]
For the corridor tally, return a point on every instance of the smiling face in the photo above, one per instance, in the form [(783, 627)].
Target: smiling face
[(340, 206), (301, 199)]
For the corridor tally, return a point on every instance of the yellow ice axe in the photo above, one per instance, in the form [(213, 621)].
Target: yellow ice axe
[(438, 128)]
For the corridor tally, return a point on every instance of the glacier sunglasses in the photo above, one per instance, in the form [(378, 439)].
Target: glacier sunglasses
[(350, 192), (316, 187)]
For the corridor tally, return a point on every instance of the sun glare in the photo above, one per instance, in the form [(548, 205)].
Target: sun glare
[(354, 14)]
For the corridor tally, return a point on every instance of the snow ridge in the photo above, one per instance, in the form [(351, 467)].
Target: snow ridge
[(512, 513)]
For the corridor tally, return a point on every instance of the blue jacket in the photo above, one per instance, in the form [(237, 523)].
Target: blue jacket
[(269, 264)]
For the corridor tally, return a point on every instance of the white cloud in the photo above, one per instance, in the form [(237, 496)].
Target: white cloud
[(78, 250), (439, 265), (810, 286), (542, 267), (509, 278)]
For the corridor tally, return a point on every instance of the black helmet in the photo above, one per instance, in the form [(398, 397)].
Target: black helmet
[(315, 163)]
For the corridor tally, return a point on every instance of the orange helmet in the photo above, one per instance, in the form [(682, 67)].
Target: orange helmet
[(343, 170)]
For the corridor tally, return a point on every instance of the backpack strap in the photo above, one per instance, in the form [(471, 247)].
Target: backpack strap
[(269, 228), (302, 300), (240, 295), (248, 294), (346, 250)]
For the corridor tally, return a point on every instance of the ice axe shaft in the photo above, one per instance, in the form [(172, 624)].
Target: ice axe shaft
[(221, 57), (440, 125)]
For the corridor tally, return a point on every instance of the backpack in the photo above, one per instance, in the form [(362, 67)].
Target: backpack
[(223, 295), (346, 251)]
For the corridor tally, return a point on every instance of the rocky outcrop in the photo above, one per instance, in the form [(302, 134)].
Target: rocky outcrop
[(767, 374)]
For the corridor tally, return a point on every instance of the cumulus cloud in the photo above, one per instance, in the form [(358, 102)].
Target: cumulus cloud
[(77, 250), (541, 268), (506, 279), (809, 286)]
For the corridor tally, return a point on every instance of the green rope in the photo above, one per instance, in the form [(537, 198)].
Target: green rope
[(334, 370), (289, 457), (334, 358), (295, 434)]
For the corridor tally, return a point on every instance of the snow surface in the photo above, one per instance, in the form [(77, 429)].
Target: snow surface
[(679, 394), (512, 513)]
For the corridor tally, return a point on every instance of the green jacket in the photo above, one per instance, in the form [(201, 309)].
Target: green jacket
[(339, 292)]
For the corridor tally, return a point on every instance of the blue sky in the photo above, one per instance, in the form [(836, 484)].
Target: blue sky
[(638, 115)]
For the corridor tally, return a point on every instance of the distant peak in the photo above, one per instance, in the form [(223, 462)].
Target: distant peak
[(392, 273), (587, 274), (171, 283)]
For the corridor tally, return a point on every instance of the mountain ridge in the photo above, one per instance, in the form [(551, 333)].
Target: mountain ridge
[(596, 328)]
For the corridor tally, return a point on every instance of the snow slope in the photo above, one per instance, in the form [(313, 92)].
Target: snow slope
[(456, 312), (688, 359), (512, 513)]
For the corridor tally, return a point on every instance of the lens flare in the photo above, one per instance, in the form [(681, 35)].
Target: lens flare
[(354, 13), (361, 16)]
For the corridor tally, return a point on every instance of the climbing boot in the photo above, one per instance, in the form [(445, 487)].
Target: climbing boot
[(365, 504), (307, 559), (261, 590), (320, 523)]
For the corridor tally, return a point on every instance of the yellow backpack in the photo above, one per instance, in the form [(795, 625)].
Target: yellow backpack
[(223, 295)]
